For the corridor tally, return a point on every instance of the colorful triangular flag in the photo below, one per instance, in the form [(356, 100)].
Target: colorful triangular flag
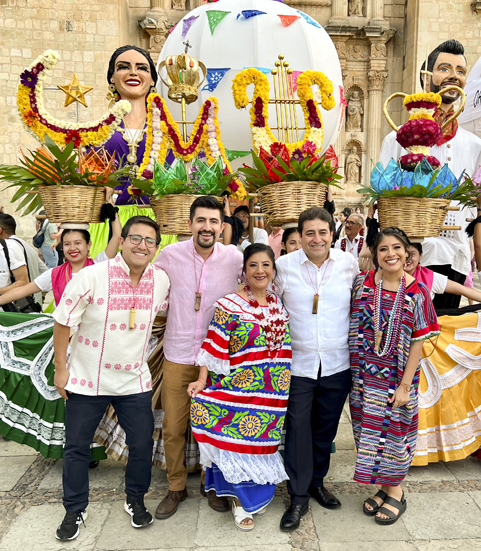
[(287, 20), (309, 19), (215, 17), (264, 70), (214, 76), (187, 24), (295, 76), (231, 154), (250, 13)]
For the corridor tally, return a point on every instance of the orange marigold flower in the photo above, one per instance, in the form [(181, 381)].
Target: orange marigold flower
[(30, 117)]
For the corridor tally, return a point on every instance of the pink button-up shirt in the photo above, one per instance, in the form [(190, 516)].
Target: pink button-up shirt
[(216, 277)]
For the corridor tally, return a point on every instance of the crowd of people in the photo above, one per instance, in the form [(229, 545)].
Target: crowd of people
[(262, 341), (241, 363)]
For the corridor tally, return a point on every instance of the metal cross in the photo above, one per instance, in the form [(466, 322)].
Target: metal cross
[(187, 46)]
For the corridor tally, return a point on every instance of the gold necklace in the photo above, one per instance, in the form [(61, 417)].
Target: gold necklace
[(133, 142)]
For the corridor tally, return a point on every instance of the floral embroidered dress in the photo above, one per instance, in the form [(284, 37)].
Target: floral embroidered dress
[(238, 418), (385, 437)]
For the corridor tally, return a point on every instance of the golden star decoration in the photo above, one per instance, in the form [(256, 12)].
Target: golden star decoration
[(75, 91)]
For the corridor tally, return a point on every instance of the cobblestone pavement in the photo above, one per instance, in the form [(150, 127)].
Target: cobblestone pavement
[(444, 511)]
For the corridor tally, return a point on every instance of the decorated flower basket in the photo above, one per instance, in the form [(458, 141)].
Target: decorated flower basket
[(282, 203), (419, 217), (173, 211), (74, 204)]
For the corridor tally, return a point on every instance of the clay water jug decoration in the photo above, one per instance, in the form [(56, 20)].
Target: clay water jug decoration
[(421, 131)]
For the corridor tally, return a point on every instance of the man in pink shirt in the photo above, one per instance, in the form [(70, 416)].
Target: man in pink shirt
[(201, 271)]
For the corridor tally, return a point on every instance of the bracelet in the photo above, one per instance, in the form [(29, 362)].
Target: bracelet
[(406, 386), (200, 381)]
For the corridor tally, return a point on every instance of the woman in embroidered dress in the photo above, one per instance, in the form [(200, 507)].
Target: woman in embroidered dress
[(31, 411), (391, 315), (240, 400)]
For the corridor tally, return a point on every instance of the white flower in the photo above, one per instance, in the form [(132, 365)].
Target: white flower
[(210, 120), (421, 111), (150, 167), (212, 141), (157, 133), (155, 147), (156, 112), (156, 125), (211, 128), (215, 154), (157, 139)]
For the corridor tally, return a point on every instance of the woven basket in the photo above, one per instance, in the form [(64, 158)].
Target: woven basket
[(173, 211), (419, 217), (283, 203), (74, 204)]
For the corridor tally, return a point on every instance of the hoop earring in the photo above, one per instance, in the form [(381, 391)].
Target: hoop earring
[(153, 90), (112, 95)]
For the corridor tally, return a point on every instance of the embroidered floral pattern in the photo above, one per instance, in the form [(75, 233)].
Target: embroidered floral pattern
[(108, 365), (243, 379), (95, 344), (199, 414), (118, 366), (142, 326), (68, 302), (80, 339), (113, 327), (123, 326), (284, 379), (73, 381), (100, 301), (83, 382), (249, 425), (87, 342), (128, 367)]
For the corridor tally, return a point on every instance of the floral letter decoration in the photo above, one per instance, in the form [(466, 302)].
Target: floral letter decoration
[(262, 135), (41, 124), (163, 133)]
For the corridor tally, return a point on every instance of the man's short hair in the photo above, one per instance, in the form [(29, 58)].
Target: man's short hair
[(141, 220), (452, 46), (206, 202), (7, 223), (360, 219), (316, 213)]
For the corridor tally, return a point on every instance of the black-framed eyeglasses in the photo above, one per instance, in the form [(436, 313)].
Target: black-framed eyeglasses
[(350, 223), (150, 242)]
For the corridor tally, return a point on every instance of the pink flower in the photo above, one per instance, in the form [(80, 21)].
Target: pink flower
[(123, 327), (87, 342), (95, 344), (82, 382), (128, 367), (142, 326), (100, 301), (73, 381), (118, 366), (108, 366), (80, 339), (68, 302), (113, 327), (147, 385), (91, 384), (136, 365)]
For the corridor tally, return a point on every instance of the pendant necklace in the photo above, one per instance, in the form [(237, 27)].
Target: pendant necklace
[(315, 301), (133, 141), (394, 321), (198, 294)]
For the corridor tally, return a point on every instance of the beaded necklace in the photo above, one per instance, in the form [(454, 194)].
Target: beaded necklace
[(394, 321), (274, 326)]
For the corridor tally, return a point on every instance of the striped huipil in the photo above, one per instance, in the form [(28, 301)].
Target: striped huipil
[(385, 437)]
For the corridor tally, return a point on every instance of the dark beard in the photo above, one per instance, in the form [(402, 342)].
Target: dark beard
[(437, 90), (203, 244)]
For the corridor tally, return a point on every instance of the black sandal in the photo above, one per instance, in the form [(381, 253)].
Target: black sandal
[(373, 503), (393, 517)]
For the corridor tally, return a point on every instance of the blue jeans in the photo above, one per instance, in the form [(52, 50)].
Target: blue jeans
[(83, 414), (50, 256)]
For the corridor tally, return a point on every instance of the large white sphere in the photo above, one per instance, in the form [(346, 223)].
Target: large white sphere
[(254, 42)]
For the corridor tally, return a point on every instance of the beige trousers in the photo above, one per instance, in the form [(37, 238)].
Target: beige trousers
[(176, 406)]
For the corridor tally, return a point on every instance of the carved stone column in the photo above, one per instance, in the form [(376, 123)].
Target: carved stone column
[(375, 79), (157, 25)]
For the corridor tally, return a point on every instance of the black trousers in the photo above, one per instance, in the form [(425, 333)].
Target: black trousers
[(83, 414), (313, 413), (447, 300)]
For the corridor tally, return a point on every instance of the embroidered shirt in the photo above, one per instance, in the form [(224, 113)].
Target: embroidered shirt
[(216, 277), (353, 247), (323, 336), (107, 357), (463, 152)]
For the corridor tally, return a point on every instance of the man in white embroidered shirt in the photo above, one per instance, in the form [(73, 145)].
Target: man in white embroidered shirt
[(353, 242), (113, 304), (315, 286)]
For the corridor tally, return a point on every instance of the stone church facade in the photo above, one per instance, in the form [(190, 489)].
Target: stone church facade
[(381, 45)]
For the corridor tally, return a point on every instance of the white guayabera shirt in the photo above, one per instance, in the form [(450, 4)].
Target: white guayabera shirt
[(321, 337)]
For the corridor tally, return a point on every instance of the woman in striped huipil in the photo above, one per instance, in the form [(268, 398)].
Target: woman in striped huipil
[(391, 314)]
